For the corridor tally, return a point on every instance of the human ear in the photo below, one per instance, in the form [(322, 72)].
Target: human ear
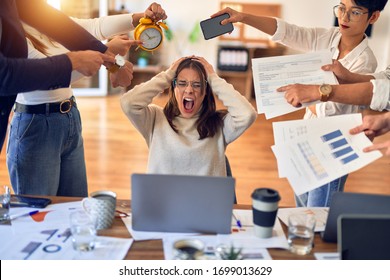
[(374, 17)]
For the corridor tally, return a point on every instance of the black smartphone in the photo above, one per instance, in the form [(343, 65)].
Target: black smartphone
[(28, 201), (212, 27)]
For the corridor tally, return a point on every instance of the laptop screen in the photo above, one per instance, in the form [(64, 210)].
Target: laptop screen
[(353, 203), (182, 203), (364, 237)]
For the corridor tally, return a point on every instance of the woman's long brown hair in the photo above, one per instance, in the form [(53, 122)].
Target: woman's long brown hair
[(38, 45), (210, 120)]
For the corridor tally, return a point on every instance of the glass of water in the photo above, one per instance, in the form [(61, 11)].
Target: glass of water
[(5, 198), (83, 229), (301, 233)]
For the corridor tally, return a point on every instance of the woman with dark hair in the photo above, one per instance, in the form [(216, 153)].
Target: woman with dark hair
[(189, 135)]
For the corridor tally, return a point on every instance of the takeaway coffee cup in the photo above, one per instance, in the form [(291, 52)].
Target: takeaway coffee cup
[(101, 206), (265, 207)]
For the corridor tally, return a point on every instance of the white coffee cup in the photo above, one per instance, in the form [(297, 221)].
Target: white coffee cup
[(101, 205), (188, 249), (265, 207)]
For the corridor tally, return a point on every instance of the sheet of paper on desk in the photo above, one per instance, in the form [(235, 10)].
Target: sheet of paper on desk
[(211, 242), (320, 213), (313, 152), (270, 73), (148, 235), (56, 244), (327, 256), (49, 217)]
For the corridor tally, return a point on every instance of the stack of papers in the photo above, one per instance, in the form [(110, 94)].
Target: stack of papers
[(46, 236), (314, 152), (270, 73)]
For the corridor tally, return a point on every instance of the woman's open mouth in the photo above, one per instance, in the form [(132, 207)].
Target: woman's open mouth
[(188, 103)]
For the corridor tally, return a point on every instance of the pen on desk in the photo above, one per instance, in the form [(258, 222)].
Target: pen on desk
[(238, 222), (24, 214)]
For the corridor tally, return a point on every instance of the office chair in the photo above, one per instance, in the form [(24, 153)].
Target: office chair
[(229, 174)]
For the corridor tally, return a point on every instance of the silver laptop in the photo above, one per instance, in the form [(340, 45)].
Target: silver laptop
[(363, 237), (181, 203), (353, 203)]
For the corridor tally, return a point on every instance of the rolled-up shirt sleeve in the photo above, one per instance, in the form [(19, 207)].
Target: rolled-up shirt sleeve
[(381, 95)]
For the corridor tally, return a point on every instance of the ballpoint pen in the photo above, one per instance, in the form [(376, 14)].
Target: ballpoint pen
[(238, 222), (24, 214)]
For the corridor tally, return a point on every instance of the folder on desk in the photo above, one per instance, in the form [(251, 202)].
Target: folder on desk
[(182, 203)]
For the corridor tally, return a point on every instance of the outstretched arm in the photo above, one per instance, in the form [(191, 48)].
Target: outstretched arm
[(265, 24), (355, 94), (53, 23)]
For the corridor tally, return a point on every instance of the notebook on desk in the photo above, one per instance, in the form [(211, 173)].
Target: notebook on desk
[(182, 203), (353, 203), (363, 237)]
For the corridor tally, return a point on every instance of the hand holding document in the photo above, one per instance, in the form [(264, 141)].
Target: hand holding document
[(270, 73), (313, 152)]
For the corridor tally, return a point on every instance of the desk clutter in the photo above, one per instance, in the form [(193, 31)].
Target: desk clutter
[(47, 233)]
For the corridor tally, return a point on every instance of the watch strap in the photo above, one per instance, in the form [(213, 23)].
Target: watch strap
[(113, 68), (323, 95)]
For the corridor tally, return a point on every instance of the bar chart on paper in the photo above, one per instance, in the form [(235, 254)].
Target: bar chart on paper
[(311, 153), (312, 160), (339, 146)]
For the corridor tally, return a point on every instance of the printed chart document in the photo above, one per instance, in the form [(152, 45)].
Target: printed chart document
[(313, 152), (46, 236), (270, 73)]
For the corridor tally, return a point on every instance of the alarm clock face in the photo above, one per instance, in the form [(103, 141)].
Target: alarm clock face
[(151, 38)]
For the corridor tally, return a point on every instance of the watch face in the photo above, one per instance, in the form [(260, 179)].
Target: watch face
[(119, 60), (151, 38), (326, 89)]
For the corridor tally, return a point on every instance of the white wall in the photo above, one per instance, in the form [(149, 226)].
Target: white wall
[(184, 14)]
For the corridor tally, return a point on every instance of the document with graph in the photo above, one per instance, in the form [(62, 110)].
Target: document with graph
[(270, 73), (313, 152)]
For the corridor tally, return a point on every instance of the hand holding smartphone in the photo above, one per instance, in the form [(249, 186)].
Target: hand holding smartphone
[(212, 27), (28, 201)]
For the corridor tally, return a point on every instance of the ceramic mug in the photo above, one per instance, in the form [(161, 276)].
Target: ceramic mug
[(101, 205)]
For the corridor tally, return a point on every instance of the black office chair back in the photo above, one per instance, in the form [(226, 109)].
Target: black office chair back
[(229, 174)]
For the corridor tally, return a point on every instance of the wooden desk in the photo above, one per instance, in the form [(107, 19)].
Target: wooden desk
[(153, 249)]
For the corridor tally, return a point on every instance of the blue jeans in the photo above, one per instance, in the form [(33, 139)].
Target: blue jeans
[(45, 154), (322, 196)]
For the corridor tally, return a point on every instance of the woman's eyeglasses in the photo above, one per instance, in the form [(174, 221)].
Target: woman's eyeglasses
[(354, 15), (181, 84)]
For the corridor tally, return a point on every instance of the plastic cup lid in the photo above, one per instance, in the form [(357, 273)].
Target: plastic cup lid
[(266, 195)]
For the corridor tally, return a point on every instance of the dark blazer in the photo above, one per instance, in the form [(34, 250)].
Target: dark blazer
[(18, 74)]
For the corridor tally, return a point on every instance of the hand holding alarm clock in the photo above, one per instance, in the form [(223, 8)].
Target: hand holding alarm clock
[(150, 33)]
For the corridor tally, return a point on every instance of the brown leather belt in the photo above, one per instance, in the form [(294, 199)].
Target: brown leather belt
[(47, 108)]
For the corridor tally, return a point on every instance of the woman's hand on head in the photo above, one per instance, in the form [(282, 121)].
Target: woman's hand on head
[(175, 64), (207, 66)]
